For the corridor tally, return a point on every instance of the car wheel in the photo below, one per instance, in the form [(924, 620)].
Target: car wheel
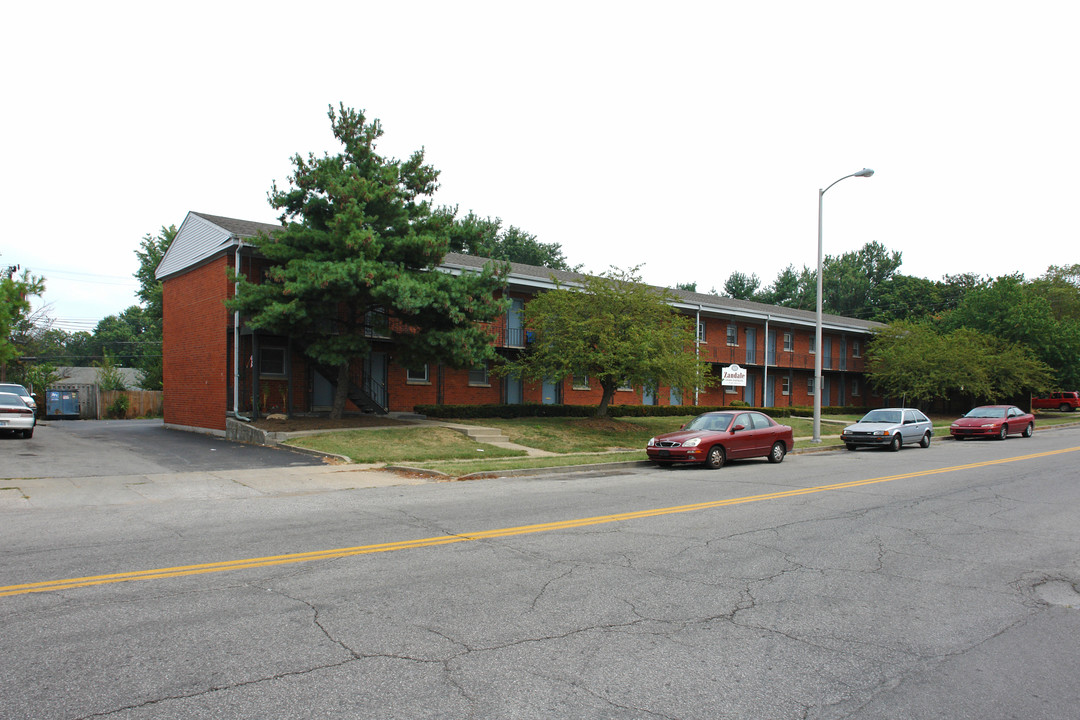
[(1029, 430), (663, 464), (1004, 432), (1064, 408), (850, 446), (28, 433), (894, 446), (777, 453), (715, 459), (925, 442)]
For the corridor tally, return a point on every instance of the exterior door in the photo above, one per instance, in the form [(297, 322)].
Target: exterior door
[(770, 392), (375, 379), (549, 393), (648, 396), (751, 383), (322, 393), (514, 394)]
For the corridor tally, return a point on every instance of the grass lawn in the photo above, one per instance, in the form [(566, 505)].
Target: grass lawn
[(576, 440), (398, 445)]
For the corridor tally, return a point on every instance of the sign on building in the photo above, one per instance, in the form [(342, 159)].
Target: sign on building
[(733, 375)]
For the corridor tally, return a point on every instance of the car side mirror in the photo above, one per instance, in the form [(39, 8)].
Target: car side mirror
[(682, 426), (737, 428)]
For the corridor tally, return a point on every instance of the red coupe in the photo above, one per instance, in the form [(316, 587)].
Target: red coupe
[(995, 421), (716, 437)]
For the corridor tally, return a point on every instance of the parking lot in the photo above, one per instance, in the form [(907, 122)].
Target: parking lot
[(91, 448)]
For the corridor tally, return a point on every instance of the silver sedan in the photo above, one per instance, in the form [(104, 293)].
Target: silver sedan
[(889, 427)]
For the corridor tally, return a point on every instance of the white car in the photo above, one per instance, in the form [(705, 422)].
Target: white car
[(16, 416), (19, 390), (889, 427)]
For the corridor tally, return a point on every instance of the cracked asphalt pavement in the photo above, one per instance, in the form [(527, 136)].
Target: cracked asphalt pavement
[(936, 583)]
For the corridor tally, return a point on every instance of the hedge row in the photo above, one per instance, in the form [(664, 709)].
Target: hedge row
[(536, 410)]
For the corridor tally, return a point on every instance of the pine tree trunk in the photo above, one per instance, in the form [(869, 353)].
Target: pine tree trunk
[(341, 392)]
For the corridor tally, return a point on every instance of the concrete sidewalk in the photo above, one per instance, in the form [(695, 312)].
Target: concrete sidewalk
[(67, 492)]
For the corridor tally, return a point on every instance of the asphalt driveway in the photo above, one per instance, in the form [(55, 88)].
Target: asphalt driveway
[(90, 448)]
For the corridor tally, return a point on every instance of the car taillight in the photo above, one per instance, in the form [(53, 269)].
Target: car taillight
[(17, 411)]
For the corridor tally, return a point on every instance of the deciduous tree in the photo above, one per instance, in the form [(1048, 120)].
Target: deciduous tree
[(616, 331)]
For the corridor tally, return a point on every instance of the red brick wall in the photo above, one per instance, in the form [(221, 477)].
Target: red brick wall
[(194, 346)]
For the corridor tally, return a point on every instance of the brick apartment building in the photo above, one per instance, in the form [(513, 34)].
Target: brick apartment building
[(216, 367)]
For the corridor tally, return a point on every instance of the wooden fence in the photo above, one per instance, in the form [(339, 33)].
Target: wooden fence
[(141, 403)]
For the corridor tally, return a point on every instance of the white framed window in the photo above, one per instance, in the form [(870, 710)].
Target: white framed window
[(856, 348), (478, 376), (810, 385), (855, 389), (785, 385), (701, 332), (813, 343), (789, 342), (731, 389), (732, 335), (271, 362), (417, 375), (625, 386), (579, 382)]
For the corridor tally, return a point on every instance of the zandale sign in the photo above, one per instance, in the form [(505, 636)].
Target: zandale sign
[(733, 375)]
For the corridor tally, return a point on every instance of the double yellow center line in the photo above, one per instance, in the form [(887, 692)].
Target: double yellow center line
[(183, 570)]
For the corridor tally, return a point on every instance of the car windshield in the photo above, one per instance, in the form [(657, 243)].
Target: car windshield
[(986, 412), (15, 390), (881, 416), (717, 422)]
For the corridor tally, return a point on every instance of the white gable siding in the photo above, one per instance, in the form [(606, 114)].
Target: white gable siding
[(197, 240)]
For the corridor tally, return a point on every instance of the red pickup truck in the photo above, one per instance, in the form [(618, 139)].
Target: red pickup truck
[(1063, 401)]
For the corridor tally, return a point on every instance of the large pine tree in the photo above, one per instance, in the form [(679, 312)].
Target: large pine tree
[(358, 254)]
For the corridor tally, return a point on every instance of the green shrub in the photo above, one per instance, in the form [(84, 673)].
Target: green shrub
[(118, 408)]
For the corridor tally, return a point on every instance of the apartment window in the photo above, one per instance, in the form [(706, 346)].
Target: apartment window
[(785, 385), (789, 342), (625, 385), (479, 375), (701, 332), (732, 335), (856, 349), (417, 375), (855, 387), (813, 343), (810, 385), (580, 382), (731, 389), (271, 362)]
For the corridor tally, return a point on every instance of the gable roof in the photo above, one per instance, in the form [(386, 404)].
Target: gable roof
[(202, 236), (543, 278)]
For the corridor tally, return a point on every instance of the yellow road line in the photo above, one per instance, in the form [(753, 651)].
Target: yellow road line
[(184, 570)]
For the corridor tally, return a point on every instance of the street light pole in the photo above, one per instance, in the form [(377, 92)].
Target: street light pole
[(865, 172)]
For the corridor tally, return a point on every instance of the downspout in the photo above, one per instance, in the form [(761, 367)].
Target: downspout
[(765, 376), (236, 340), (697, 347)]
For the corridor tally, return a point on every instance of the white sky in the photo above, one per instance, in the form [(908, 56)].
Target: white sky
[(688, 137)]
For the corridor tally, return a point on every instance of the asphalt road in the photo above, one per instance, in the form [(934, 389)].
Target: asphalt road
[(936, 583)]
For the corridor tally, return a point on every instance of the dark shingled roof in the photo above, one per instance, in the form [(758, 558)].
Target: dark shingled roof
[(708, 303), (241, 228)]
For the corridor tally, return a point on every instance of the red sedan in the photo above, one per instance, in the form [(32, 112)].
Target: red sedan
[(716, 437), (995, 421)]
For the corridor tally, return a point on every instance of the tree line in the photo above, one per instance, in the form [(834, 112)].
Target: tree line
[(361, 237)]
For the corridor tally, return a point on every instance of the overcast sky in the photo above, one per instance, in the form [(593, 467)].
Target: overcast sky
[(687, 137)]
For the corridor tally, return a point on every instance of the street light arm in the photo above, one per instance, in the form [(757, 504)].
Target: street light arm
[(865, 172)]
